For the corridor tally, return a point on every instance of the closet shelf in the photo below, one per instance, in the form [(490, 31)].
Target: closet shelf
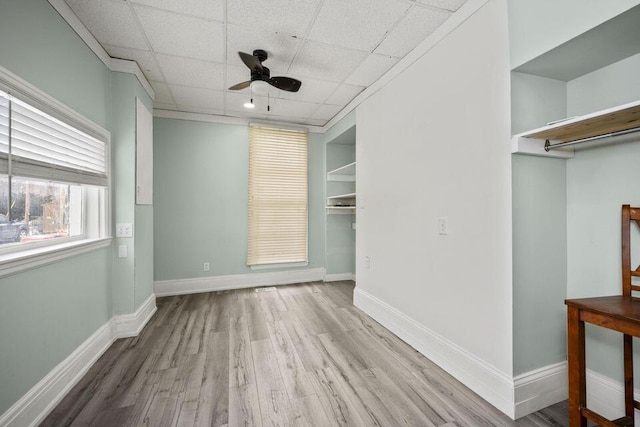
[(599, 124), (342, 204), (343, 196), (343, 173)]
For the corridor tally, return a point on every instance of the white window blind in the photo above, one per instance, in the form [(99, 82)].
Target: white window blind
[(4, 131), (47, 148), (277, 195)]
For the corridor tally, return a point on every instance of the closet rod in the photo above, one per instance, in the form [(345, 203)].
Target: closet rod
[(548, 146)]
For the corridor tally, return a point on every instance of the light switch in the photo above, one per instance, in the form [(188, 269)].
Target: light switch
[(122, 251)]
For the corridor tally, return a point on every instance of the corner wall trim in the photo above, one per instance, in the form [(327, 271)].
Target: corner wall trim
[(130, 325), (236, 281), (540, 388), (32, 408), (491, 384)]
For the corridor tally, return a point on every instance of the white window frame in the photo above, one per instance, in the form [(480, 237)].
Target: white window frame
[(16, 258)]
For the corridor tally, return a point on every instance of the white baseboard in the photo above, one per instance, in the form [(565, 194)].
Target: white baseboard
[(606, 396), (130, 325), (338, 277), (237, 281), (491, 384), (36, 404), (540, 388)]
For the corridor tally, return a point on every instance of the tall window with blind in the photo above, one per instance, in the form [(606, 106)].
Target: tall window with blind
[(278, 212), (53, 178)]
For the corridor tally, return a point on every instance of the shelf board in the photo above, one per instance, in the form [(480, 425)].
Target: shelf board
[(343, 196), (344, 210), (343, 173), (599, 123)]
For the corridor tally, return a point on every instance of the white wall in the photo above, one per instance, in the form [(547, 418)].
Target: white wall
[(435, 143)]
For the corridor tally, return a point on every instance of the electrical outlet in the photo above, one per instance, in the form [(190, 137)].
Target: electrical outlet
[(124, 229), (206, 266), (443, 227), (367, 262)]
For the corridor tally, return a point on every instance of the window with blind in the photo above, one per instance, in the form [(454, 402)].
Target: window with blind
[(53, 178), (277, 196)]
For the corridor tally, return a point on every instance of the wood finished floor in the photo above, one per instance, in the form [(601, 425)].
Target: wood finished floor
[(299, 355)]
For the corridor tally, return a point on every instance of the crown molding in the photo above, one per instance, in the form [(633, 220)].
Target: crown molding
[(113, 64), (229, 120)]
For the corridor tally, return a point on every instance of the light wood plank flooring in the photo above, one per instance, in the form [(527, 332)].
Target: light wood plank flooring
[(293, 355)]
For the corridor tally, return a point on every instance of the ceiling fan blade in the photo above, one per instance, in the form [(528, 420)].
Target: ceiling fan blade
[(240, 85), (250, 61), (285, 83)]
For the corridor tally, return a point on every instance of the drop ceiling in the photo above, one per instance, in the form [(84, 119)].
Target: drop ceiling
[(188, 49)]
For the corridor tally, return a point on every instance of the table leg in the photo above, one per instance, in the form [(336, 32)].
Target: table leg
[(577, 367)]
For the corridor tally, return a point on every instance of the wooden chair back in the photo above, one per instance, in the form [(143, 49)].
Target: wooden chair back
[(629, 214)]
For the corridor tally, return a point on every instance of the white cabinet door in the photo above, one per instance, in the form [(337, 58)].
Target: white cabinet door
[(144, 155)]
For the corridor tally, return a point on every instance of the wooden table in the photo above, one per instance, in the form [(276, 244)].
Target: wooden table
[(619, 313)]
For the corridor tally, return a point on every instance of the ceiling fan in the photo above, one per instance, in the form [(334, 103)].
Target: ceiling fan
[(261, 76)]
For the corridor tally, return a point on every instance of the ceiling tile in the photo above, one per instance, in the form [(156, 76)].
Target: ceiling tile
[(286, 107), (110, 22), (280, 47), (344, 94), (326, 62), (312, 90), (197, 97), (451, 5), (356, 24), (163, 95), (248, 114), (315, 122), (201, 110), (163, 106), (326, 112), (235, 102), (182, 35), (192, 72), (413, 29), (373, 67), (273, 16), (207, 9), (287, 119), (143, 58)]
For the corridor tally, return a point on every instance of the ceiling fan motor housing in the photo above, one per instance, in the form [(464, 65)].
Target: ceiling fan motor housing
[(263, 74)]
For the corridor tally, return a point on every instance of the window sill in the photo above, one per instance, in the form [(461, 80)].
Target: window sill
[(16, 262), (282, 265)]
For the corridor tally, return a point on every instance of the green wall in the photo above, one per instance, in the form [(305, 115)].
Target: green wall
[(47, 312), (201, 195), (39, 46), (133, 276), (539, 262), (600, 178), (566, 216)]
